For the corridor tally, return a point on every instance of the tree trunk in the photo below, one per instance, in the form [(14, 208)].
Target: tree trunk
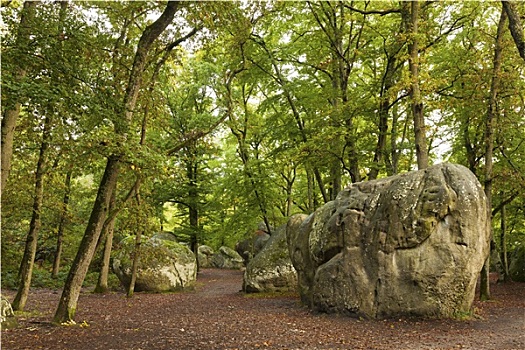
[(390, 76), (67, 305), (12, 111), (310, 184), (384, 107), (193, 211), (26, 267), (503, 244), (62, 224), (515, 26), (136, 251), (102, 282), (417, 102), (489, 143)]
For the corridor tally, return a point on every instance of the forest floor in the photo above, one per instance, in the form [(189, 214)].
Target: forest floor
[(218, 316)]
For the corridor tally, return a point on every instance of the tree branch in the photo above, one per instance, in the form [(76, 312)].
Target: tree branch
[(515, 26)]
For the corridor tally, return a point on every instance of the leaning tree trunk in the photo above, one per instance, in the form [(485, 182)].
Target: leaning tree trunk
[(489, 142), (12, 110), (68, 302), (417, 101), (26, 267)]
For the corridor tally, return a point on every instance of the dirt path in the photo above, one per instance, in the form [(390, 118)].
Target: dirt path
[(218, 316)]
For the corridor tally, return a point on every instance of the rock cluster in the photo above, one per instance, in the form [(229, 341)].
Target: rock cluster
[(227, 258)]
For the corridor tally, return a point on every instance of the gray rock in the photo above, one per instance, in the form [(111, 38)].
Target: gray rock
[(271, 270), (205, 255), (517, 264), (250, 247), (164, 265), (7, 316), (227, 258), (411, 244), (166, 235)]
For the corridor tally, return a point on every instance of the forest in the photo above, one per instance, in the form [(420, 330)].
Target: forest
[(129, 118)]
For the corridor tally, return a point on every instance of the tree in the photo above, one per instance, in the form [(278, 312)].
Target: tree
[(489, 141), (26, 267), (67, 306)]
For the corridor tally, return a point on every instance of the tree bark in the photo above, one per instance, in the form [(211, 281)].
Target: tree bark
[(26, 267), (136, 251), (102, 282), (515, 26), (417, 102), (193, 210), (12, 109), (62, 224), (503, 244), (489, 143), (67, 305)]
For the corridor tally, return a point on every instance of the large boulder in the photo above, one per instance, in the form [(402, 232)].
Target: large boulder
[(227, 258), (164, 266), (271, 270), (517, 264), (411, 244), (205, 254)]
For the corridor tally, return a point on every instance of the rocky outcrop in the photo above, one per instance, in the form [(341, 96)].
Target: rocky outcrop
[(164, 265), (227, 258), (271, 270), (411, 244), (205, 254)]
